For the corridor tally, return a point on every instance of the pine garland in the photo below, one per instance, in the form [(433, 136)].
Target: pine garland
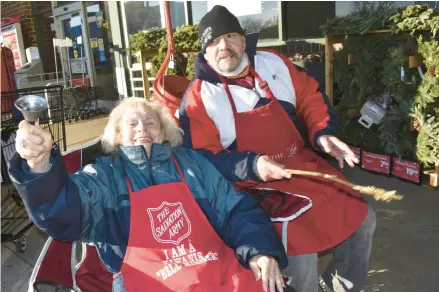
[(398, 56), (367, 16), (427, 141), (395, 135), (362, 80), (358, 82), (394, 130), (423, 23), (379, 58)]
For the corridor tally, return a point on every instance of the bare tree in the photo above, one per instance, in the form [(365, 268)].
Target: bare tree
[(252, 25), (365, 7)]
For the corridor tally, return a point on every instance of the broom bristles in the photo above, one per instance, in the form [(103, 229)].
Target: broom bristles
[(377, 193)]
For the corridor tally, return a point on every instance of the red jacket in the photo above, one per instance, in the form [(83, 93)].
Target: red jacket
[(207, 119)]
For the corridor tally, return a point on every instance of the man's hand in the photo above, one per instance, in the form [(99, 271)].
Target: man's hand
[(269, 170), (267, 268), (338, 149), (34, 145)]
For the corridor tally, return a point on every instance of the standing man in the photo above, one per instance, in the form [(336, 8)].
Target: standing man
[(241, 112)]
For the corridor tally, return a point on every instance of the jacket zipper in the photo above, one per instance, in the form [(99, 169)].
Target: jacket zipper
[(151, 176)]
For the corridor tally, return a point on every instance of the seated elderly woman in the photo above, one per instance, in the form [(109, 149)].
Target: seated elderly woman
[(161, 216)]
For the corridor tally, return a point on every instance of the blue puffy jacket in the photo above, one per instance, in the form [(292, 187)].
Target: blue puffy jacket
[(92, 205)]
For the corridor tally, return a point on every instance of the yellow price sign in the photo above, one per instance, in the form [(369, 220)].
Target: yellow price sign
[(94, 43)]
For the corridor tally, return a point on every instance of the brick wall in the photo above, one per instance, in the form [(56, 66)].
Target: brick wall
[(46, 34), (22, 10), (31, 33)]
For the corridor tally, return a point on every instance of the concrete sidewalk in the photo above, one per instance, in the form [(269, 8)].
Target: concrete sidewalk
[(16, 267), (405, 257)]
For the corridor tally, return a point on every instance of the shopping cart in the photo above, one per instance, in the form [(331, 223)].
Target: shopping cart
[(14, 219), (51, 120), (82, 103)]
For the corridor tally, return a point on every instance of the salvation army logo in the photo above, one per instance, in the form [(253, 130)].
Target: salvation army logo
[(169, 223)]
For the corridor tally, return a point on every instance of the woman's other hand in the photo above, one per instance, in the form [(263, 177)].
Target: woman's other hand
[(267, 268)]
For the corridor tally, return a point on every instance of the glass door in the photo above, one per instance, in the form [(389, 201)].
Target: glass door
[(72, 28), (76, 64)]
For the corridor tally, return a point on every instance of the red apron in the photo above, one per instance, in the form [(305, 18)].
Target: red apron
[(336, 212), (172, 246)]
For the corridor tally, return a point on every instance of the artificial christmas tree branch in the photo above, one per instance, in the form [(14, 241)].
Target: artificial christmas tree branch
[(377, 193)]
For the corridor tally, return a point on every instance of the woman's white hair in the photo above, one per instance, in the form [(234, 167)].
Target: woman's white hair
[(112, 137)]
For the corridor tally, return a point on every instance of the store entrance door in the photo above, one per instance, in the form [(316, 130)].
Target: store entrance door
[(77, 66), (91, 57)]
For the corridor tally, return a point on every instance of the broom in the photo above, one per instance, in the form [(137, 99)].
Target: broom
[(377, 193)]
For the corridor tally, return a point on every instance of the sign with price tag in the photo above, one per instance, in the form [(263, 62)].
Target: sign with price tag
[(406, 169), (375, 162)]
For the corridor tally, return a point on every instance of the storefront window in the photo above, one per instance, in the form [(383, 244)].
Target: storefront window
[(62, 3), (304, 19), (260, 16), (177, 13), (141, 15), (343, 8)]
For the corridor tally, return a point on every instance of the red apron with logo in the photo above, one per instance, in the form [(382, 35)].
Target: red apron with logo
[(336, 211), (173, 247)]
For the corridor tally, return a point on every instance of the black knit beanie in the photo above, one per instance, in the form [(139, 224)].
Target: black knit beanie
[(215, 23)]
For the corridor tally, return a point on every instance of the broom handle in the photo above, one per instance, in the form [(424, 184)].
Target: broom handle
[(369, 190), (320, 174)]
